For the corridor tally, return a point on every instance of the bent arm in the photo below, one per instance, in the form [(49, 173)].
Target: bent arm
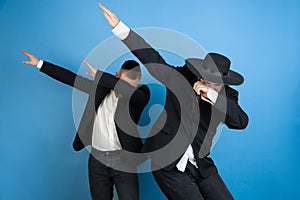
[(138, 96), (236, 117)]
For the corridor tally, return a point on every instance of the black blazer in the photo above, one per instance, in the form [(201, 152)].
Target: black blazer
[(129, 107), (179, 117)]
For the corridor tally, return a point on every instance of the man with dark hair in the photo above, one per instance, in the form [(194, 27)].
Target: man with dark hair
[(113, 103), (201, 85)]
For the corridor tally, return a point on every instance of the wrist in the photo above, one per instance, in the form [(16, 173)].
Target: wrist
[(39, 64), (121, 30), (116, 24)]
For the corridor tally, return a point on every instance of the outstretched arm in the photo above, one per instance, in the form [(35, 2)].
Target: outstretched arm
[(152, 60), (58, 73)]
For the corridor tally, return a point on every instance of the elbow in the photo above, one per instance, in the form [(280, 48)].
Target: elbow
[(240, 124), (243, 122)]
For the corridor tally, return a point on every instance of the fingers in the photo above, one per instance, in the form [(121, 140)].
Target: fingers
[(88, 65), (32, 59), (26, 62), (106, 15), (30, 56), (106, 11), (196, 85), (199, 87), (110, 16), (26, 53), (101, 6), (196, 89), (84, 62), (92, 74), (93, 69), (104, 8)]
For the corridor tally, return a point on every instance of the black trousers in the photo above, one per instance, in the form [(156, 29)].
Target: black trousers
[(102, 178), (191, 185)]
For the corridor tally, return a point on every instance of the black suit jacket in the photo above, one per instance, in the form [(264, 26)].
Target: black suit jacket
[(179, 117), (128, 111)]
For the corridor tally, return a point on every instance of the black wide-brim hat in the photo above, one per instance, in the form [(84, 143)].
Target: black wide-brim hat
[(214, 68)]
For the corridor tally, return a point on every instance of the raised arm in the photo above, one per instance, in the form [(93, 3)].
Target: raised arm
[(151, 58), (58, 73)]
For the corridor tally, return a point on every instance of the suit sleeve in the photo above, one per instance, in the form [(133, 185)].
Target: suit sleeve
[(67, 77), (153, 61), (235, 117), (138, 96)]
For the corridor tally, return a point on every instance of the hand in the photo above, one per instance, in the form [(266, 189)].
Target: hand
[(200, 89), (32, 59), (93, 71), (110, 16)]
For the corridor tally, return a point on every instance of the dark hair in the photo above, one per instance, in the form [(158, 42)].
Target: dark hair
[(133, 69)]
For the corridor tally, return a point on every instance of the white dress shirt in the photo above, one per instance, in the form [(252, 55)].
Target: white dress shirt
[(105, 137)]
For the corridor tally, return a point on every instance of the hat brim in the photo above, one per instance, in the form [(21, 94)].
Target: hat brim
[(195, 65)]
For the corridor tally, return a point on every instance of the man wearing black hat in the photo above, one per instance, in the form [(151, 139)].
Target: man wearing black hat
[(109, 124), (180, 129)]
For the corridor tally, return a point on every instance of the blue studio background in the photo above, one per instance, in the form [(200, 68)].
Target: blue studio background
[(36, 124)]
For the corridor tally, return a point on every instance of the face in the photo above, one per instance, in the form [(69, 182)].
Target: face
[(215, 86), (122, 75)]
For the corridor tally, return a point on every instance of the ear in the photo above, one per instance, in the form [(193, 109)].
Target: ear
[(117, 74), (202, 80)]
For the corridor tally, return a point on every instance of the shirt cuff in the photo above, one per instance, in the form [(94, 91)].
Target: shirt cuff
[(40, 64), (121, 31), (212, 95)]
